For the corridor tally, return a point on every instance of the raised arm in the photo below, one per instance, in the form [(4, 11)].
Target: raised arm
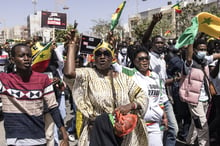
[(72, 45), (156, 18), (216, 56), (189, 54)]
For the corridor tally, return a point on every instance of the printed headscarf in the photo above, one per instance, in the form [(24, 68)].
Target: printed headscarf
[(105, 45)]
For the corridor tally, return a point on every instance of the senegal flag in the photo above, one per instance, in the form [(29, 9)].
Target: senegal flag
[(116, 15), (203, 22), (41, 59), (177, 8), (168, 32), (36, 48)]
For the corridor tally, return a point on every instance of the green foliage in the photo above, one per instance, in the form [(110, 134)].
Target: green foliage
[(214, 10), (159, 29), (140, 28), (102, 28), (183, 20), (60, 33)]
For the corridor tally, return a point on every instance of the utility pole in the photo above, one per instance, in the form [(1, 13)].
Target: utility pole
[(137, 5), (59, 3), (34, 2)]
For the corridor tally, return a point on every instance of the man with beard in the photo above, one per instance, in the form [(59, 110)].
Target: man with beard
[(158, 65)]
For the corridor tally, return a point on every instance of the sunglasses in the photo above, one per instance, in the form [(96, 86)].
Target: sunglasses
[(105, 53), (142, 58)]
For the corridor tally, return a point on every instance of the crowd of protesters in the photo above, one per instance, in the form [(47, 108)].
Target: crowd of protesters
[(138, 93)]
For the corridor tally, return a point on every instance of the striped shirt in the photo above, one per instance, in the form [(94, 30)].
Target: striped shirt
[(23, 105)]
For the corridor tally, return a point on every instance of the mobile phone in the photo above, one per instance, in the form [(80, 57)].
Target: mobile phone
[(75, 24), (197, 122)]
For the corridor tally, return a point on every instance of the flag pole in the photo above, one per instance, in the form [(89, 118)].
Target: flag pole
[(53, 33), (176, 24)]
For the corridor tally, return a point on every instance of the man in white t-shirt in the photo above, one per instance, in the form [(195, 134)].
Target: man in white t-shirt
[(158, 65)]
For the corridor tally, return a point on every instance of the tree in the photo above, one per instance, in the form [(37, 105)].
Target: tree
[(183, 20), (102, 27), (214, 10), (189, 11), (160, 28), (60, 33)]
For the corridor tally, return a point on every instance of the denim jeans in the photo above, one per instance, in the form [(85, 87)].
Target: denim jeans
[(62, 108), (171, 134), (72, 128)]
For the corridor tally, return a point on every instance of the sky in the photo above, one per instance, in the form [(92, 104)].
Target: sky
[(15, 12)]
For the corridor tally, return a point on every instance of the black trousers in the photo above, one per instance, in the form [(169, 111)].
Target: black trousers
[(102, 133)]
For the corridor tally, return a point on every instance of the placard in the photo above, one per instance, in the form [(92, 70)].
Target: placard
[(88, 44)]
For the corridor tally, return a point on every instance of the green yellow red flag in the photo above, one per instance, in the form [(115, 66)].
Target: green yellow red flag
[(203, 22), (168, 32), (116, 15), (36, 48), (41, 59), (177, 8)]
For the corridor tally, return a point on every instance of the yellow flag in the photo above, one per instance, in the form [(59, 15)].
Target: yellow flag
[(41, 59), (203, 22), (36, 48), (209, 24)]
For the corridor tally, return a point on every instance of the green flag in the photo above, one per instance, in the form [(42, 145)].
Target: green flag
[(188, 35)]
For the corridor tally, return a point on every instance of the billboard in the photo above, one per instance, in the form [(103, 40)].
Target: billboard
[(53, 20), (88, 44)]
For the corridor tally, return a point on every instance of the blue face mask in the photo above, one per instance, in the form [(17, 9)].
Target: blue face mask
[(201, 54)]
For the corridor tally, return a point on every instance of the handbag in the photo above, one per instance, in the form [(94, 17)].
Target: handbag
[(212, 89), (124, 124)]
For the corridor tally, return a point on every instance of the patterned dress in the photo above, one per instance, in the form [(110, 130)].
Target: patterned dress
[(93, 95)]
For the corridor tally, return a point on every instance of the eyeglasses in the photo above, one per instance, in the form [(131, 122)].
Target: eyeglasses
[(105, 53), (142, 58)]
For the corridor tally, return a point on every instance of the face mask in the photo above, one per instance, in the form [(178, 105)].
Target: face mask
[(124, 50), (201, 54)]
